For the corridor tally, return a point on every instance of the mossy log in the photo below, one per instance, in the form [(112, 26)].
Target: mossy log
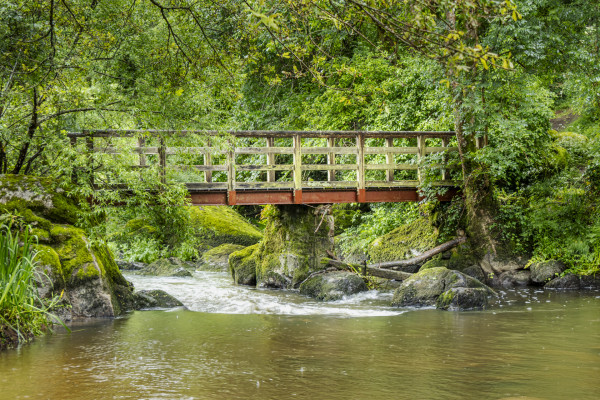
[(368, 270), (419, 259)]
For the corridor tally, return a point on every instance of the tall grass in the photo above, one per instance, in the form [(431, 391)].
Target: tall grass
[(22, 313)]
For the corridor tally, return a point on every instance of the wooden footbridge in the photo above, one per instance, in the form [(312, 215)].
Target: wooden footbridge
[(276, 167)]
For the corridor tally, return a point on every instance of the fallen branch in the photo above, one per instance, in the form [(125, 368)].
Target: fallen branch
[(368, 270), (422, 258)]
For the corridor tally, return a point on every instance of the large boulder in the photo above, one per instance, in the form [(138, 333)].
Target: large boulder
[(242, 265), (69, 263), (570, 281), (443, 288), (171, 266), (217, 225), (296, 239), (333, 285), (404, 242), (217, 258), (155, 299), (543, 272)]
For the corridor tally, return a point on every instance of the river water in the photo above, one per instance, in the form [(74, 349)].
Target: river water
[(241, 343)]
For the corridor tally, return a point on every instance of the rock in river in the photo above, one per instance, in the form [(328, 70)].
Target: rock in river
[(333, 286), (444, 288), (167, 267)]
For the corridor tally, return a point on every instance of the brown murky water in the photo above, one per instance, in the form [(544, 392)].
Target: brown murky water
[(532, 345)]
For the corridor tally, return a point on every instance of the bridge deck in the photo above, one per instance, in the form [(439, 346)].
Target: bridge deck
[(276, 167)]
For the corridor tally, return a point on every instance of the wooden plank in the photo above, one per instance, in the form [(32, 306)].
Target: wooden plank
[(297, 162), (329, 150), (204, 168), (270, 160), (262, 133), (208, 162), (264, 185), (120, 150), (264, 150), (391, 167), (360, 161), (331, 158), (162, 155), (394, 184), (390, 160), (391, 150), (327, 167), (420, 155), (193, 186), (269, 168), (329, 185), (231, 167), (142, 156), (429, 150), (445, 142), (89, 142)]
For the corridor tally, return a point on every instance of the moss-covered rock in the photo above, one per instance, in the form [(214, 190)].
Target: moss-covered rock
[(570, 281), (435, 263), (463, 299), (242, 265), (217, 225), (217, 259), (542, 272), (39, 200), (425, 287), (404, 242), (296, 239), (171, 266), (69, 263), (333, 285)]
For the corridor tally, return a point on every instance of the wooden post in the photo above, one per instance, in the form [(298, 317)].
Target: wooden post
[(270, 160), (445, 142), (162, 158), (331, 159), (231, 198), (141, 145), (89, 141), (390, 159), (297, 169), (208, 162), (360, 168), (73, 140), (420, 155)]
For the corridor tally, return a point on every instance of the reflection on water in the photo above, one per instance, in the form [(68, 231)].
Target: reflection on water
[(543, 345)]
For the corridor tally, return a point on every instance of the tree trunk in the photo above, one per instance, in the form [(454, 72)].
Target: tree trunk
[(477, 189)]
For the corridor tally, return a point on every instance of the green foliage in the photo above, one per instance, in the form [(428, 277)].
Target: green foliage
[(22, 313), (366, 227)]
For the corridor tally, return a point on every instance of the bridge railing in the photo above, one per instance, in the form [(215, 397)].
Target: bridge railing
[(279, 160)]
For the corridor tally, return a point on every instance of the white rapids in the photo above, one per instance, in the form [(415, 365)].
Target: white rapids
[(214, 292)]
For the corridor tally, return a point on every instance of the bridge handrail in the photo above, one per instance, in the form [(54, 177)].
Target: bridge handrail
[(297, 150)]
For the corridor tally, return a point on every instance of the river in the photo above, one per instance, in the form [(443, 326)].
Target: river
[(239, 343)]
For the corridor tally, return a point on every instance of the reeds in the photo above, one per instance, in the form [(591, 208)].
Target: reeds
[(22, 313)]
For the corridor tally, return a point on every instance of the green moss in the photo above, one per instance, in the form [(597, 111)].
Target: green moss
[(72, 249), (217, 225), (39, 195), (47, 257), (291, 247), (399, 244), (435, 263), (221, 251), (242, 265), (108, 266), (42, 235)]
